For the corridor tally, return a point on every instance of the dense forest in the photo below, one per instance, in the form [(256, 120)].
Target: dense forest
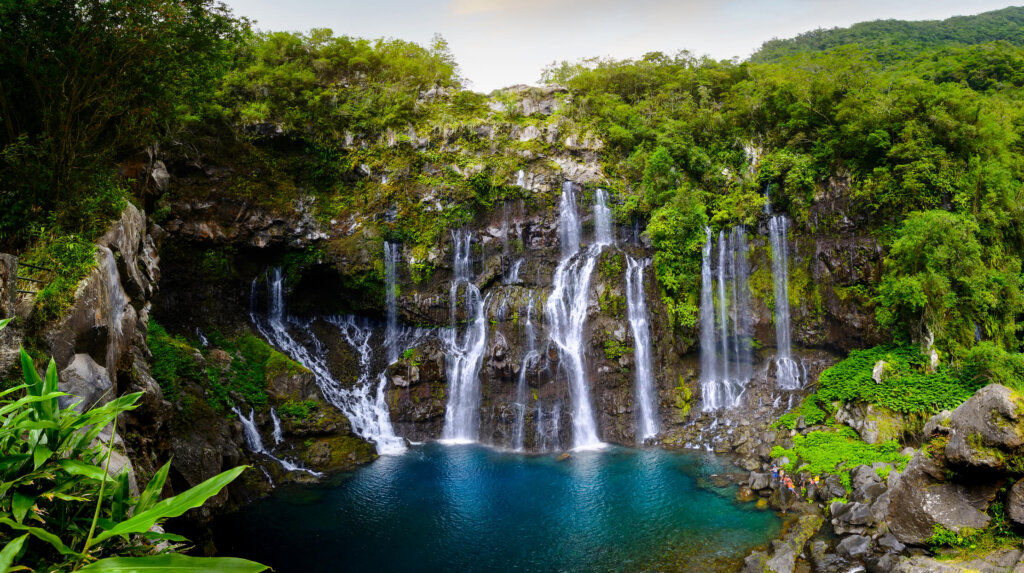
[(913, 127)]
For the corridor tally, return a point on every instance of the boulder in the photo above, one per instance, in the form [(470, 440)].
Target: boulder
[(758, 481), (854, 546), (999, 561), (87, 382), (878, 372), (922, 499), (937, 424), (873, 423), (1015, 503), (986, 429)]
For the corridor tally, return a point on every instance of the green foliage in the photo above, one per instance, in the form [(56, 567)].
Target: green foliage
[(896, 39), (67, 111), (59, 506), (325, 85), (172, 359), (613, 349), (253, 363), (811, 408), (988, 363), (299, 410), (677, 232), (939, 279), (837, 452), (906, 387)]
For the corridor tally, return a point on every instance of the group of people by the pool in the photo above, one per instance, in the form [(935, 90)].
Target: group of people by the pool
[(779, 474)]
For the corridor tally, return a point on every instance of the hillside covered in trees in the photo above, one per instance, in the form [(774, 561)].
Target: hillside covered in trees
[(893, 148)]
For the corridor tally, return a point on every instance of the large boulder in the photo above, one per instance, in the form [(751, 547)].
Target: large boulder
[(922, 499), (986, 430), (86, 382), (1015, 503), (873, 423)]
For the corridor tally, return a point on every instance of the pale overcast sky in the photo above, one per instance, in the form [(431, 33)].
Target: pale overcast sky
[(504, 42)]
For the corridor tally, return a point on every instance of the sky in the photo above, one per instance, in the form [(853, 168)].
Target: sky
[(499, 43)]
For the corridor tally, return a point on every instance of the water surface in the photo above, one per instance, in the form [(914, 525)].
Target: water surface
[(470, 508)]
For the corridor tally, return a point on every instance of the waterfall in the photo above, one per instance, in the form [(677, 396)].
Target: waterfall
[(369, 415), (512, 277), (647, 419), (465, 356), (278, 434), (530, 358), (568, 222), (254, 442), (202, 338), (787, 370), (548, 428), (566, 312), (726, 352), (520, 178), (392, 253), (743, 331), (602, 219)]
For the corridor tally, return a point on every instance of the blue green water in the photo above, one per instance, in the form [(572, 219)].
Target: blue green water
[(470, 508)]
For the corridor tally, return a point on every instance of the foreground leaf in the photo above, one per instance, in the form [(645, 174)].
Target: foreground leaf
[(174, 506), (39, 533), (174, 563), (9, 552)]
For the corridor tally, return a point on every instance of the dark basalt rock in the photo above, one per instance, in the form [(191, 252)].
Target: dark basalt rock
[(923, 498), (986, 429)]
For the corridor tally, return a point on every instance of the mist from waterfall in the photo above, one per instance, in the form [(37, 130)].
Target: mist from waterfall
[(646, 392), (725, 330), (787, 371), (363, 402), (566, 312), (464, 355)]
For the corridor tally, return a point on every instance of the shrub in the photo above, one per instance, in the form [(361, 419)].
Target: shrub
[(906, 388), (61, 509), (837, 452)]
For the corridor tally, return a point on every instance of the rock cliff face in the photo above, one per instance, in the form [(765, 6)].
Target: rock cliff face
[(101, 351), (515, 251)]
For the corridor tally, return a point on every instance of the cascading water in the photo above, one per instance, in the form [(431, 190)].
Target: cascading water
[(568, 222), (278, 434), (529, 360), (566, 311), (392, 253), (512, 277), (787, 370), (726, 354), (465, 356), (254, 442), (602, 219), (647, 418), (368, 415)]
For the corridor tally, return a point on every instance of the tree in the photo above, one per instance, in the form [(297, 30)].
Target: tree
[(83, 80)]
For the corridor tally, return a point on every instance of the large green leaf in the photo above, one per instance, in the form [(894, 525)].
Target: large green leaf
[(40, 534), (78, 468), (40, 455), (151, 494), (174, 506), (20, 504), (9, 552), (175, 564)]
